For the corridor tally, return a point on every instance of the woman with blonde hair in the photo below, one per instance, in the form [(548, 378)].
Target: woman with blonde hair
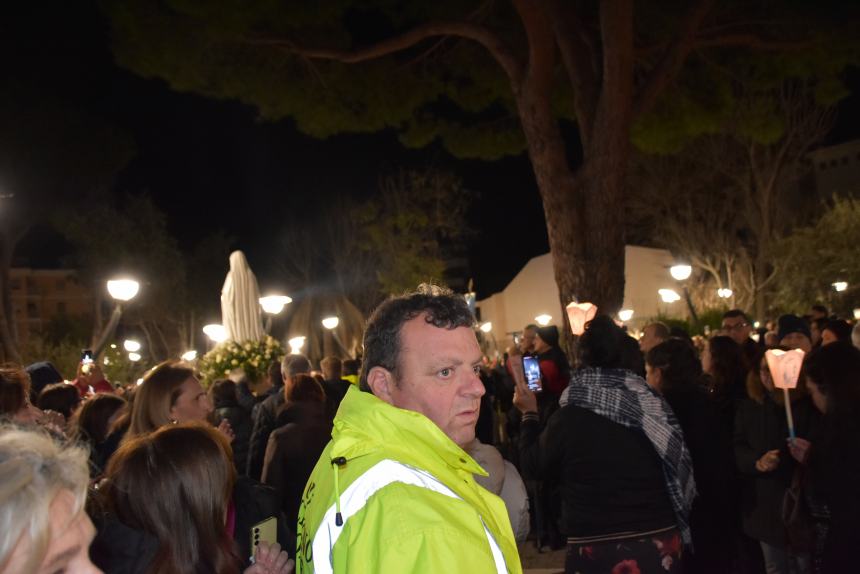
[(43, 486), (170, 393)]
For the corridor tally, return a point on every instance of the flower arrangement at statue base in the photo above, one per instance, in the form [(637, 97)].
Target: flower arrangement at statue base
[(251, 357)]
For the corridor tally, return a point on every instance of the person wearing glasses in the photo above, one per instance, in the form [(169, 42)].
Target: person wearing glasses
[(737, 325)]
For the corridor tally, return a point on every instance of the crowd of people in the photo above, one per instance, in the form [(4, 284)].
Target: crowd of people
[(666, 454)]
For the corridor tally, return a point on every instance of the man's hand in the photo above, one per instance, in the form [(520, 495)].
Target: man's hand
[(271, 560), (799, 449), (524, 398), (768, 462)]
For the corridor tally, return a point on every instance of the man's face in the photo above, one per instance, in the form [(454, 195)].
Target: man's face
[(438, 377), (649, 339), (527, 341), (737, 328)]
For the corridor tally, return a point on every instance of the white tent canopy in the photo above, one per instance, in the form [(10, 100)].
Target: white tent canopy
[(240, 302)]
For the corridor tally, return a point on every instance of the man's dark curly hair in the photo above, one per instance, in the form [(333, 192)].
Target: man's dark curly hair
[(441, 308)]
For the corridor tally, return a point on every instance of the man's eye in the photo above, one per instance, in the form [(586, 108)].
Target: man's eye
[(476, 369), (445, 372)]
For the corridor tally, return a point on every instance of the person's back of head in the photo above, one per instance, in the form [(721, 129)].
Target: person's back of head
[(175, 484), (736, 314), (836, 330), (659, 329), (94, 419), (680, 369), (43, 487), (274, 374), (331, 368), (14, 390), (440, 307), (819, 311), (61, 398), (351, 367), (602, 344), (305, 389), (155, 396), (42, 374), (834, 370), (293, 365), (727, 366), (223, 393)]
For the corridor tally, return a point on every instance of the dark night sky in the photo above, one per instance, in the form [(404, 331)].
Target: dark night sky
[(210, 164)]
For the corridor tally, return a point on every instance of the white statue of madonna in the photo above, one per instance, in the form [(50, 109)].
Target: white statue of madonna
[(240, 302)]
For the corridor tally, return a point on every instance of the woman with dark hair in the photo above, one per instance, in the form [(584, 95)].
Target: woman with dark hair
[(761, 456), (92, 425), (674, 370), (723, 362), (303, 430), (60, 398), (833, 378), (166, 507), (626, 475), (171, 394)]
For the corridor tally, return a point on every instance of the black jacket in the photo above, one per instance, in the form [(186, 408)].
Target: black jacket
[(303, 430), (335, 390), (240, 422), (714, 515), (264, 415), (758, 429), (611, 477)]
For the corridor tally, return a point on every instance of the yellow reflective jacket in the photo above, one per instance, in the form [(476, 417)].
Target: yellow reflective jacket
[(392, 493)]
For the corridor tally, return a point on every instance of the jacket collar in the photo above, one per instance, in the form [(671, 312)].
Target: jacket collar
[(365, 423)]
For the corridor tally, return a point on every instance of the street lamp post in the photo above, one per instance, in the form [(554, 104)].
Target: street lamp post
[(330, 324), (122, 291), (681, 273)]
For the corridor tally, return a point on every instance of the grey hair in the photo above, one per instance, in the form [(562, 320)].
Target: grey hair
[(34, 468)]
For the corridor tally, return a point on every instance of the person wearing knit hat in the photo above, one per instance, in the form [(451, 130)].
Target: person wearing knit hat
[(42, 374), (793, 332)]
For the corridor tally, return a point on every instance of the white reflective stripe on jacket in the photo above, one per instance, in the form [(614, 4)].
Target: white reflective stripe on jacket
[(353, 499)]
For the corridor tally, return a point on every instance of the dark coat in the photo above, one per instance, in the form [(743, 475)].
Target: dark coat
[(240, 422), (264, 416), (714, 514), (293, 451), (335, 390), (611, 478), (758, 429)]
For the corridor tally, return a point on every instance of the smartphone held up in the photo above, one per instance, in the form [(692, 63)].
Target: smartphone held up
[(531, 370)]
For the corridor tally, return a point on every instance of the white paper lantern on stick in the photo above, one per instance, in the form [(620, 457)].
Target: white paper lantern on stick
[(580, 314), (784, 367)]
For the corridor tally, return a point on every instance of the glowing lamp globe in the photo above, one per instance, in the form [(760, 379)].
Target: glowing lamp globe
[(131, 346), (123, 289), (543, 320), (579, 314), (134, 357), (486, 327), (274, 304), (840, 286), (625, 315), (330, 322), (680, 272), (216, 333), (669, 295), (189, 356), (724, 293), (296, 344)]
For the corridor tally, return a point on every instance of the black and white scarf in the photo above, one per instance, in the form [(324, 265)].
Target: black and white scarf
[(625, 398)]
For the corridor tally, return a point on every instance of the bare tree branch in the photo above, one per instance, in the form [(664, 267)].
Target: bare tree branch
[(673, 58), (480, 34)]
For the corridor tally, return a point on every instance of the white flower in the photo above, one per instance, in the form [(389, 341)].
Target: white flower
[(234, 362)]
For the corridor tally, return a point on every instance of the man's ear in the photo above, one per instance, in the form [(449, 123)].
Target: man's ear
[(381, 382)]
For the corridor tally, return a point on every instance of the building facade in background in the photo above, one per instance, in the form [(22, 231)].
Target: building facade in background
[(40, 295)]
